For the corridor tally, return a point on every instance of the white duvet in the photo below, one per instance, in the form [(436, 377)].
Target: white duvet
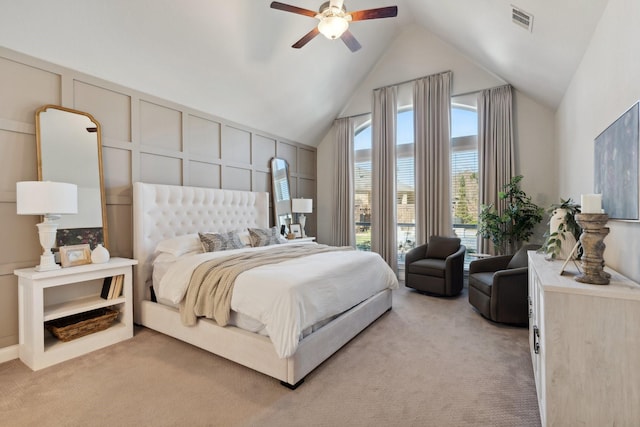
[(293, 295)]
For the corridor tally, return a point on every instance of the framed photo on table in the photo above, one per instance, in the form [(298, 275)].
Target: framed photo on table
[(75, 255), (296, 230)]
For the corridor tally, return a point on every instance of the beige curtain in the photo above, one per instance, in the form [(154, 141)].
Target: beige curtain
[(343, 220), (383, 168), (432, 124), (495, 149)]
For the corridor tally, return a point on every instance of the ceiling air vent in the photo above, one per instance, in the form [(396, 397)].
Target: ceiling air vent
[(522, 18)]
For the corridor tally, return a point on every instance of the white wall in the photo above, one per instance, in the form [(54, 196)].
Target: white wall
[(606, 83), (416, 53), (536, 150)]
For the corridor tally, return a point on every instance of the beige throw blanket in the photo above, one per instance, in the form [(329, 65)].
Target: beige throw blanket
[(211, 285)]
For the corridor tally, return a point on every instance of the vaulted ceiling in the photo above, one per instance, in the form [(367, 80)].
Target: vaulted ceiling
[(233, 58)]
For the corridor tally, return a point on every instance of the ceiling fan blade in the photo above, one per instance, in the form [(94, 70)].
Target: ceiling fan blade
[(293, 9), (306, 38), (350, 41), (383, 12)]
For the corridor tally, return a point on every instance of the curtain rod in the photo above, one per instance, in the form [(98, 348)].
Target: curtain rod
[(479, 90), (411, 80), (471, 92), (354, 116)]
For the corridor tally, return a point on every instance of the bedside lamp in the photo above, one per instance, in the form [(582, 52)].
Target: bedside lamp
[(50, 199), (301, 207)]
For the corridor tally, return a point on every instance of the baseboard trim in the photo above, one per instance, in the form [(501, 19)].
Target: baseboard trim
[(9, 353)]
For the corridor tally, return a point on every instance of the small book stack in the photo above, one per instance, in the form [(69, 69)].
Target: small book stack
[(112, 287)]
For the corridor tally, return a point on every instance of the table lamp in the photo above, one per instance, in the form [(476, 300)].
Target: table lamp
[(50, 199), (301, 207)]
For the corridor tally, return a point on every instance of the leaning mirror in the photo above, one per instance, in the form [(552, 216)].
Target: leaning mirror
[(281, 194), (70, 150)]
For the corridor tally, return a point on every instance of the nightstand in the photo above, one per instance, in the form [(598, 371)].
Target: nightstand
[(49, 295), (302, 239)]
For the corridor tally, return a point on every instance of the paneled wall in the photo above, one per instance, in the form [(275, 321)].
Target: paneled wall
[(144, 139)]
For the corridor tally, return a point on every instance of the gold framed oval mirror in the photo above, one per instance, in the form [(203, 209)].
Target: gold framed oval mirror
[(69, 149)]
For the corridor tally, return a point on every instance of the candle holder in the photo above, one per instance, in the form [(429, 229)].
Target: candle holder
[(592, 240)]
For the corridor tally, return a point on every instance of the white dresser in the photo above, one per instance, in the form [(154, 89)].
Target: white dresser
[(585, 347)]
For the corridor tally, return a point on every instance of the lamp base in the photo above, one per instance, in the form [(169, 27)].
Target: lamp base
[(303, 221), (47, 231), (47, 263)]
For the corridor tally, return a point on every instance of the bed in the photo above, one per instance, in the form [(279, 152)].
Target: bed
[(162, 212)]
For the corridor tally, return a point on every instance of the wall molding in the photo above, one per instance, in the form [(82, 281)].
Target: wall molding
[(9, 353), (144, 138)]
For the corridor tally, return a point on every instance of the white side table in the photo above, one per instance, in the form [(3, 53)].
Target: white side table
[(301, 239), (49, 295)]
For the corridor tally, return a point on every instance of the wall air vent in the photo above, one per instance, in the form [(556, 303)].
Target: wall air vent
[(522, 18)]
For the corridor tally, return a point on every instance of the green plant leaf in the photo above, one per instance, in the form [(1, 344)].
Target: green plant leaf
[(515, 223)]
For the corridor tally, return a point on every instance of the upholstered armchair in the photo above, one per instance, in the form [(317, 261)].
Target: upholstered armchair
[(437, 267), (499, 286)]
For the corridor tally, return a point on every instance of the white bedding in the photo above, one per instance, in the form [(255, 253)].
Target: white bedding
[(291, 296)]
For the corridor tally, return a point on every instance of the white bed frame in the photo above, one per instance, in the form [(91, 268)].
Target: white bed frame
[(164, 211)]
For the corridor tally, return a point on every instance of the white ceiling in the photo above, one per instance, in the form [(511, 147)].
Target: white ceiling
[(233, 58)]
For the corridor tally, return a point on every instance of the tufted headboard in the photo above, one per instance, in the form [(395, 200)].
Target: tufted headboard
[(164, 211)]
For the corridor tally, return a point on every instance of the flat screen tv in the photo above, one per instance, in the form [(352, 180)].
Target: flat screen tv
[(616, 166)]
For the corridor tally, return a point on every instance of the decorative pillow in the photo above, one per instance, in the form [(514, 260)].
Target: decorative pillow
[(264, 236), (180, 245), (441, 247), (214, 242)]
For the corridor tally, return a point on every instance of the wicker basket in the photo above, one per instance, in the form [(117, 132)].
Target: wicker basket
[(81, 324)]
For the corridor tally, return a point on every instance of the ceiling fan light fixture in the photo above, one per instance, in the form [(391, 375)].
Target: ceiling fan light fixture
[(332, 27), (334, 21)]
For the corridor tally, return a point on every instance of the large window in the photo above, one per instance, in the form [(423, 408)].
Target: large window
[(464, 178), (464, 171), (362, 185), (405, 185)]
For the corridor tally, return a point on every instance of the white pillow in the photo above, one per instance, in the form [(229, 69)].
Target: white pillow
[(160, 266), (244, 237), (180, 245)]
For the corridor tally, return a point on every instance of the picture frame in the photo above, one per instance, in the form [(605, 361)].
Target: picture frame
[(78, 236), (73, 255), (296, 230), (617, 162)]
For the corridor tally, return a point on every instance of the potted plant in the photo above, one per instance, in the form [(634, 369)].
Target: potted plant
[(563, 229), (507, 230)]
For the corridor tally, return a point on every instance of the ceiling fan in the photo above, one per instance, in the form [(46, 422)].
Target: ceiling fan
[(334, 21)]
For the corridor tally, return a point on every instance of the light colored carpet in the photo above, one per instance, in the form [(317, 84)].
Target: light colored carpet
[(428, 362)]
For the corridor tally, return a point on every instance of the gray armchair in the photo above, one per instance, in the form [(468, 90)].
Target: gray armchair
[(499, 286), (436, 268)]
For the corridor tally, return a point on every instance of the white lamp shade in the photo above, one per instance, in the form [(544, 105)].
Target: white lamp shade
[(46, 197), (302, 205)]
